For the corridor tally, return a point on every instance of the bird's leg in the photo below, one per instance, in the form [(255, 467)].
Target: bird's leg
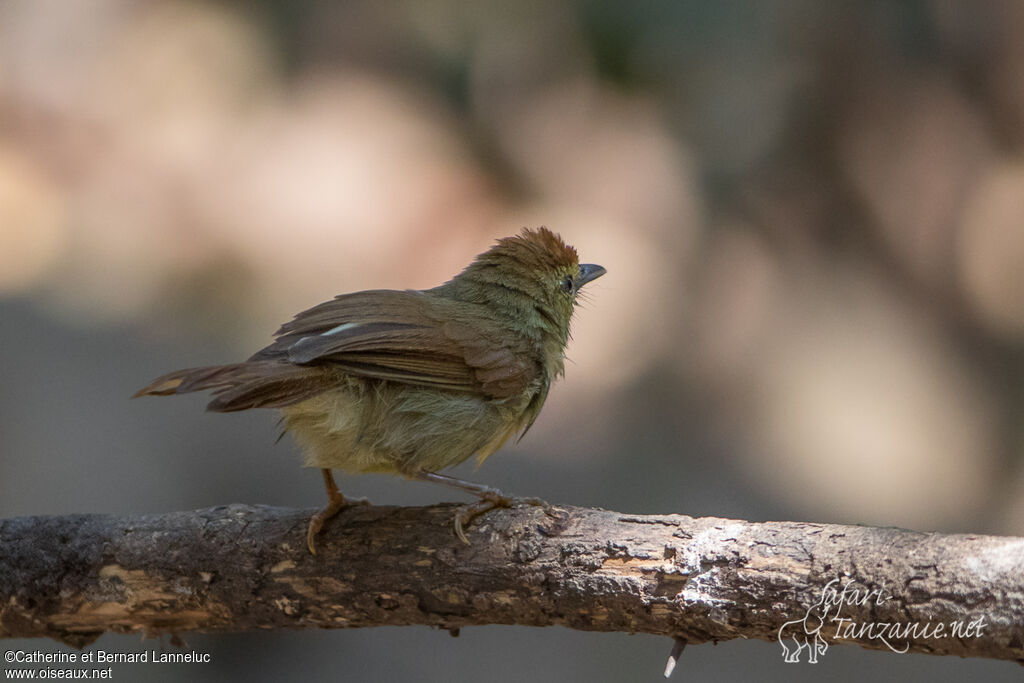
[(335, 502), (490, 498)]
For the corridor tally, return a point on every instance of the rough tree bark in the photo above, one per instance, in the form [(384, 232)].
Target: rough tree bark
[(237, 567)]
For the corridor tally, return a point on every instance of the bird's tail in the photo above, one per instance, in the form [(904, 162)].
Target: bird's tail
[(241, 386)]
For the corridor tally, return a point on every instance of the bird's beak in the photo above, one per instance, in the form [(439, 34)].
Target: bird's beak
[(588, 272)]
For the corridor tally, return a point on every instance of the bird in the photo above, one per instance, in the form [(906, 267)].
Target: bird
[(411, 382)]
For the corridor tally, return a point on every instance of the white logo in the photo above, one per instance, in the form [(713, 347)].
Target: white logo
[(806, 634)]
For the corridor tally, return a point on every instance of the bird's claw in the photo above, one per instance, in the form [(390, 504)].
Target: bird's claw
[(316, 524), (489, 500), (334, 506)]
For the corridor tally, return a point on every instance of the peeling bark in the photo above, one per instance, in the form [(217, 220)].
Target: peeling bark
[(236, 568)]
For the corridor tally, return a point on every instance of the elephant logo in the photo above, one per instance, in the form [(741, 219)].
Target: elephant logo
[(804, 634)]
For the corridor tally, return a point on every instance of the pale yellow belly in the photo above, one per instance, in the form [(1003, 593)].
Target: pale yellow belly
[(374, 427)]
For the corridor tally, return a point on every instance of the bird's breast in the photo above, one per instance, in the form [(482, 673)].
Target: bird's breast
[(368, 426)]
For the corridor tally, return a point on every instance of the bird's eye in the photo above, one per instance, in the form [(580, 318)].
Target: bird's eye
[(567, 284)]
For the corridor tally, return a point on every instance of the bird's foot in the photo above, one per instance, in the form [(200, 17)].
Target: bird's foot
[(489, 500), (335, 504)]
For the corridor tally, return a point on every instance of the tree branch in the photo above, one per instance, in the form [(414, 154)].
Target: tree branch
[(235, 568)]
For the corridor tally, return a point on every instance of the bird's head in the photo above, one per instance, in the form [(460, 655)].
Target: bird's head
[(534, 278)]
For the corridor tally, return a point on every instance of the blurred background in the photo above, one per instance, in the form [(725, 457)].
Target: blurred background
[(812, 216)]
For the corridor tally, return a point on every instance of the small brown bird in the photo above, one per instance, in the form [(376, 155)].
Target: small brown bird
[(411, 382)]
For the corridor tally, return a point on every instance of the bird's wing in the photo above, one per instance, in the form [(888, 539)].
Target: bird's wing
[(409, 337)]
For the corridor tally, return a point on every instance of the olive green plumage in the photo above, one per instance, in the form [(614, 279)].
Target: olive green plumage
[(413, 381)]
